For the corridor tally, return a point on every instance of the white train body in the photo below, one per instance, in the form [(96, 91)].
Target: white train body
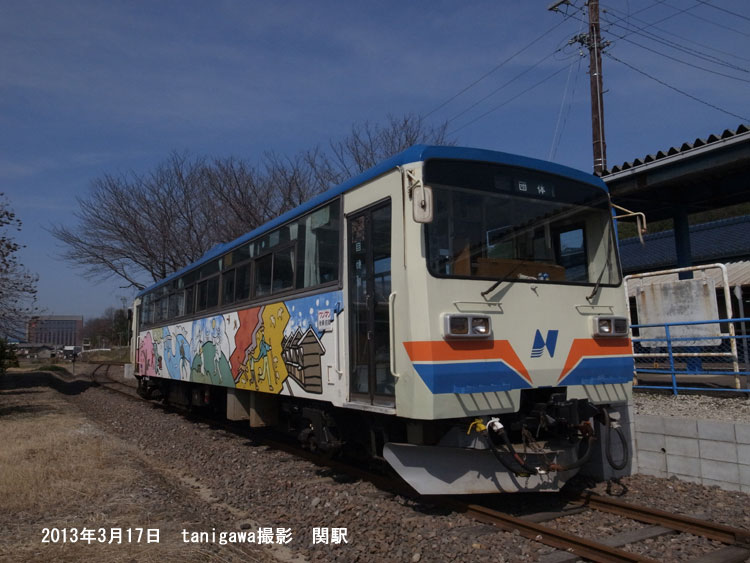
[(507, 297)]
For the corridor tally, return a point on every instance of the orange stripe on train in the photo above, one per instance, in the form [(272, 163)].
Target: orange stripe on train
[(586, 347), (459, 350)]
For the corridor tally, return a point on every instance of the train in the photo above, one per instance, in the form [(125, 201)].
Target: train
[(455, 313)]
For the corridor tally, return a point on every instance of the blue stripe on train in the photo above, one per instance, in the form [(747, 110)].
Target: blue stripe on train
[(471, 377), (598, 371)]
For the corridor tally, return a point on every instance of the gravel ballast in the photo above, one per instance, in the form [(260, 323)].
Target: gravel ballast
[(734, 408), (244, 485)]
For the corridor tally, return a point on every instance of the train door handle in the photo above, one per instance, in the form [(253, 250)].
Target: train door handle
[(392, 332)]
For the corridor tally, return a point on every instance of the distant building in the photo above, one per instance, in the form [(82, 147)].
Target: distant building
[(55, 330)]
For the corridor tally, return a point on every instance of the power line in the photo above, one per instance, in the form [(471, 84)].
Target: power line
[(743, 118), (724, 10), (678, 47), (701, 18), (502, 86), (555, 137), (623, 37), (665, 32), (478, 80), (509, 100), (670, 57)]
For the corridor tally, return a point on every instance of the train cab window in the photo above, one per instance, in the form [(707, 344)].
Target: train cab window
[(571, 248)]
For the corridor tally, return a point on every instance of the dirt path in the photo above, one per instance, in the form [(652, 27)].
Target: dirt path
[(71, 492)]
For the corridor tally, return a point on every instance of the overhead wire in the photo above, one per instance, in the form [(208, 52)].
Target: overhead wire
[(506, 102), (557, 136), (676, 59), (641, 31), (701, 18), (663, 83), (501, 87), (687, 63), (496, 68), (724, 10), (661, 30)]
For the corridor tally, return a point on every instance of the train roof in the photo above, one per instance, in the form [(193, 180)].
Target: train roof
[(416, 153)]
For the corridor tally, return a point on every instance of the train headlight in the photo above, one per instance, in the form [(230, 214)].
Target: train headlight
[(466, 326), (610, 326), (458, 326), (480, 325)]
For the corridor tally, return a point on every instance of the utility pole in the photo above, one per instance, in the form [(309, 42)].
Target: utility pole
[(593, 42)]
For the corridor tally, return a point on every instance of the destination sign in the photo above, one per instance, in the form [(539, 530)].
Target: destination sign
[(535, 188)]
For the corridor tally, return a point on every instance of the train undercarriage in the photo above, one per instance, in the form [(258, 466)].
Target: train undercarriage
[(537, 448)]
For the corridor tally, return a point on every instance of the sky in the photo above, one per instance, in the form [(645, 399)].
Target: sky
[(93, 88)]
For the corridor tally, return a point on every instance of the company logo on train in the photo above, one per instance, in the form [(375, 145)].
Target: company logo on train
[(457, 312)]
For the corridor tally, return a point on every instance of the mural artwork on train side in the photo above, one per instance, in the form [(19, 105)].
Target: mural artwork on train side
[(259, 349)]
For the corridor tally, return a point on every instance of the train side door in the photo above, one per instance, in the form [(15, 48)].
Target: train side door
[(369, 271)]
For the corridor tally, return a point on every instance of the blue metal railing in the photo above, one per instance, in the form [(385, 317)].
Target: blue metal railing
[(712, 357)]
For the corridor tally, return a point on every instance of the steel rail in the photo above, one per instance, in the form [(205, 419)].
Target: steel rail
[(710, 530), (581, 547), (577, 545)]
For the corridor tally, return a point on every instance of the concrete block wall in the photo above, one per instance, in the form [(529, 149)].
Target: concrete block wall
[(708, 452)]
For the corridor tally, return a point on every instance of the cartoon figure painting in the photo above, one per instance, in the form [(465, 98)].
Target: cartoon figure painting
[(262, 367), (210, 347), (255, 349), (146, 356), (177, 355)]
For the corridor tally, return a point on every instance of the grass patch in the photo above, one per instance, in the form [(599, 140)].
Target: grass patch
[(114, 355), (59, 470)]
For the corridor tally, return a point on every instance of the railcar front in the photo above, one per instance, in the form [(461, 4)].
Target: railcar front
[(510, 323)]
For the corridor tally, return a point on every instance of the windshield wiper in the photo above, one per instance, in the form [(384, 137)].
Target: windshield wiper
[(607, 263)]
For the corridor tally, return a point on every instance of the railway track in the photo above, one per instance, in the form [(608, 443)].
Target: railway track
[(537, 526), (573, 547)]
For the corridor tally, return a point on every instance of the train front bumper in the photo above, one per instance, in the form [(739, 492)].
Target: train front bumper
[(441, 470)]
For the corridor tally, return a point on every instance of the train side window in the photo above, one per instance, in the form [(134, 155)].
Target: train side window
[(176, 304), (283, 269), (243, 282), (189, 300), (212, 292), (263, 275), (319, 247), (202, 299), (147, 310), (228, 287)]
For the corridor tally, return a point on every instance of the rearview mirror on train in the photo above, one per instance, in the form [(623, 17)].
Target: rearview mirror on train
[(421, 199)]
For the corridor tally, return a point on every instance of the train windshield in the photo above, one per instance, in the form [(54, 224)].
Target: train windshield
[(503, 223)]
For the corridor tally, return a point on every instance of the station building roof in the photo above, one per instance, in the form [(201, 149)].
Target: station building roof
[(708, 173), (716, 241)]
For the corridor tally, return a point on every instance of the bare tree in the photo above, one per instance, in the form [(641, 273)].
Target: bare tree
[(135, 227), (141, 228), (17, 284), (368, 144)]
